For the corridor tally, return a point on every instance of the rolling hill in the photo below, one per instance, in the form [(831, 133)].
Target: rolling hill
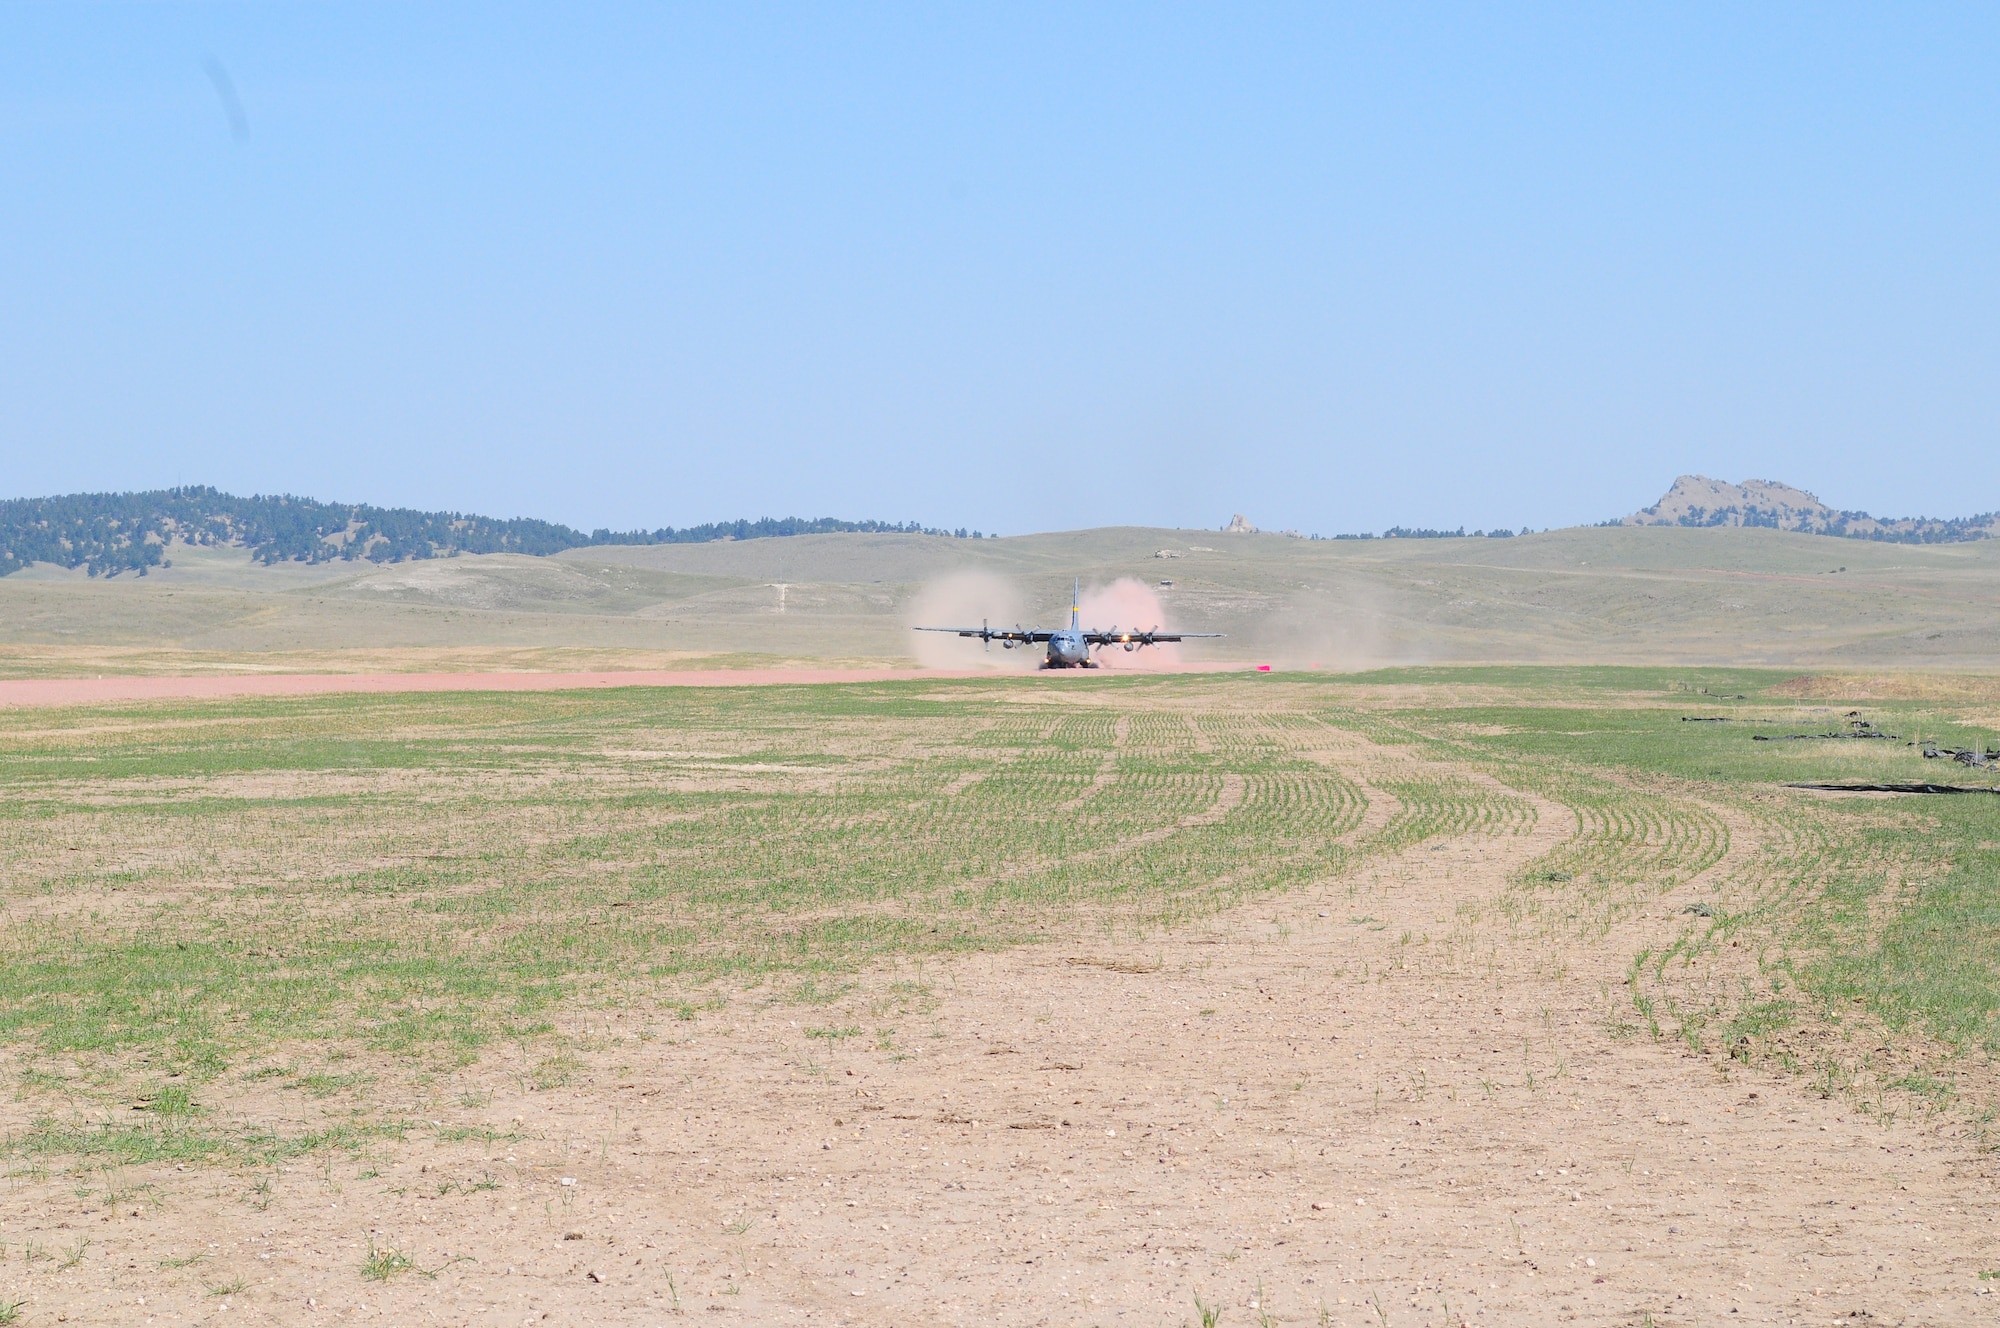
[(1743, 594), (107, 534)]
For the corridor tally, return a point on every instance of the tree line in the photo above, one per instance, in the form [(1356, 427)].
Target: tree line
[(110, 533)]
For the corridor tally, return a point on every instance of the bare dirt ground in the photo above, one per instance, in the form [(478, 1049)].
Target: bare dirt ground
[(84, 691), (1350, 1105)]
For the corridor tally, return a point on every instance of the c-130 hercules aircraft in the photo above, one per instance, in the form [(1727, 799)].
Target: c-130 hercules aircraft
[(1070, 648)]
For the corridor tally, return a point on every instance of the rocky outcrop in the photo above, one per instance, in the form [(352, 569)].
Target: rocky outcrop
[(1697, 500)]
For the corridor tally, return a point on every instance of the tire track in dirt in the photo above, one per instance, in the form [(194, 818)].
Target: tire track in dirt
[(1107, 769)]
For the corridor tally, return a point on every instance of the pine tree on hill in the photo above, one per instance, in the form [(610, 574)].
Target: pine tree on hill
[(109, 533)]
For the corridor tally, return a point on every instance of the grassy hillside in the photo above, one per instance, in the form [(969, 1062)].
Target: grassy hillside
[(1608, 595), (106, 534)]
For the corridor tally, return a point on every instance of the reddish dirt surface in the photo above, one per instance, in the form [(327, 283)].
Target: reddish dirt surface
[(85, 691), (1312, 1109)]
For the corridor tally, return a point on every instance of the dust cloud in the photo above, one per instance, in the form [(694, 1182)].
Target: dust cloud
[(1335, 629), (964, 599), (1133, 606)]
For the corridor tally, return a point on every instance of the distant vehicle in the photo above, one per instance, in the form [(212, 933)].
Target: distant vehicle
[(1070, 648)]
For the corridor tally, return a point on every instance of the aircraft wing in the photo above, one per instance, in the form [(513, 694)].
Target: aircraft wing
[(992, 634), (1154, 638)]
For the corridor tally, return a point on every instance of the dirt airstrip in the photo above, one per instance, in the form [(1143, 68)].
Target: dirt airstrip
[(87, 691), (1311, 1110), (84, 691)]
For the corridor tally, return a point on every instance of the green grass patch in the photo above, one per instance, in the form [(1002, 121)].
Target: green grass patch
[(382, 1264)]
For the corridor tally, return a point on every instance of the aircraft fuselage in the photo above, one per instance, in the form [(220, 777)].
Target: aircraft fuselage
[(1068, 650)]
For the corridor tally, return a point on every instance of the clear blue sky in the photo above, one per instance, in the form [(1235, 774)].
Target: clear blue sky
[(1011, 267)]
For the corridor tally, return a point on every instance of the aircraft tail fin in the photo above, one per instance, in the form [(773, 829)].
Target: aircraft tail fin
[(1076, 605)]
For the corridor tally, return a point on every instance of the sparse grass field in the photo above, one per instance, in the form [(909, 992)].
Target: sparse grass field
[(1839, 908), (302, 895)]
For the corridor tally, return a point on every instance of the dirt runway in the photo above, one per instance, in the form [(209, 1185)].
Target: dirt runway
[(1347, 1106), (85, 691)]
